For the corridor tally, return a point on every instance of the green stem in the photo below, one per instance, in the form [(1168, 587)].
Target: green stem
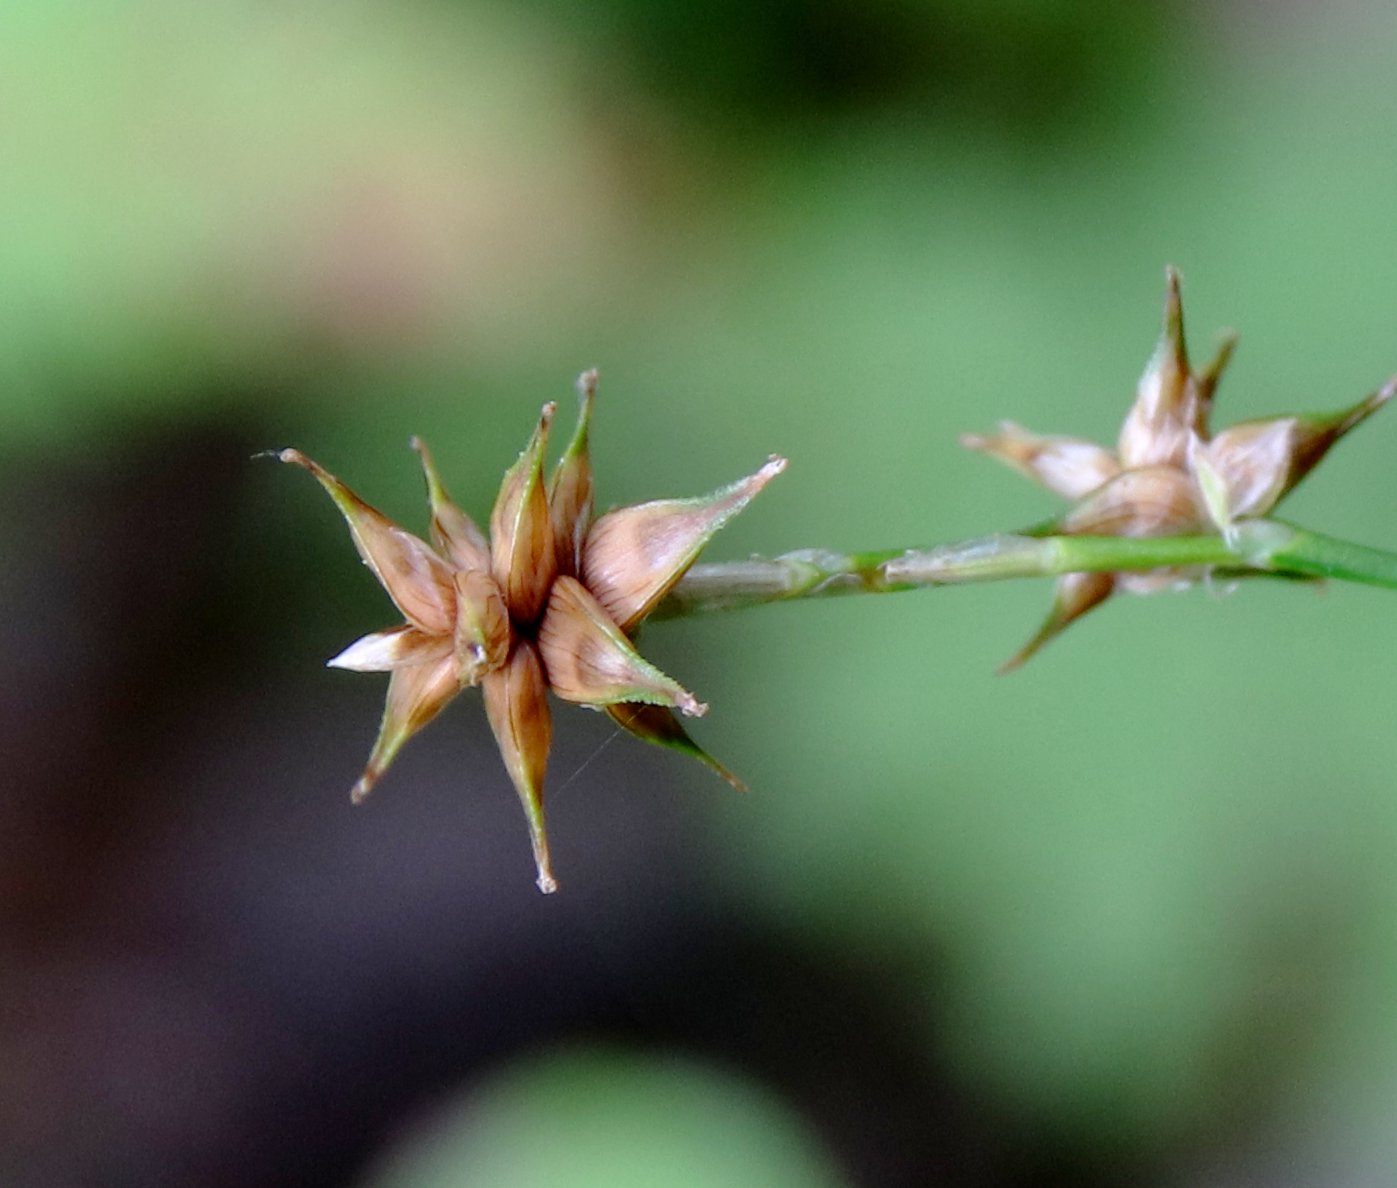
[(1314, 555), (1254, 547)]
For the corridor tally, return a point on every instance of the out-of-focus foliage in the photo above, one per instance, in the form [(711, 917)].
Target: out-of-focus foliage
[(610, 1119), (196, 200), (1143, 884)]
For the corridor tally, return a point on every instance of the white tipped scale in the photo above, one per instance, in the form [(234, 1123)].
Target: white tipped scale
[(690, 706), (416, 694), (383, 651), (1066, 466)]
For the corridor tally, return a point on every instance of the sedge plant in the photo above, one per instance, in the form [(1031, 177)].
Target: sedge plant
[(548, 602)]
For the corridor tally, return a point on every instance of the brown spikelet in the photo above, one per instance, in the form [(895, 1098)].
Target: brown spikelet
[(1170, 474), (515, 614)]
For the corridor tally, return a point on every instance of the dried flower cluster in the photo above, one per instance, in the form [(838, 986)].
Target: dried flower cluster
[(1169, 473), (547, 603)]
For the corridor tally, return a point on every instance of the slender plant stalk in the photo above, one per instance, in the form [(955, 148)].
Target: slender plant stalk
[(1268, 548), (1315, 555)]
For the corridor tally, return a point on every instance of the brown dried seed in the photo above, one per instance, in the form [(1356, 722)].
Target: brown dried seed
[(635, 554), (416, 579), (416, 694), (589, 661), (1166, 409), (517, 707), (570, 491), (454, 534), (483, 632), (522, 554), (657, 724), (1150, 501), (1076, 594)]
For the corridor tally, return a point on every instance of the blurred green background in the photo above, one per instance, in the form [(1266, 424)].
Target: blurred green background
[(1123, 917)]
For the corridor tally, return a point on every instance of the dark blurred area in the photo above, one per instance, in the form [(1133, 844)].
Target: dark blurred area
[(252, 985), (1121, 919)]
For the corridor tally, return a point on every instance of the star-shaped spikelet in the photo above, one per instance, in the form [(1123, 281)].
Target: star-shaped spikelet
[(547, 603), (1169, 473)]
